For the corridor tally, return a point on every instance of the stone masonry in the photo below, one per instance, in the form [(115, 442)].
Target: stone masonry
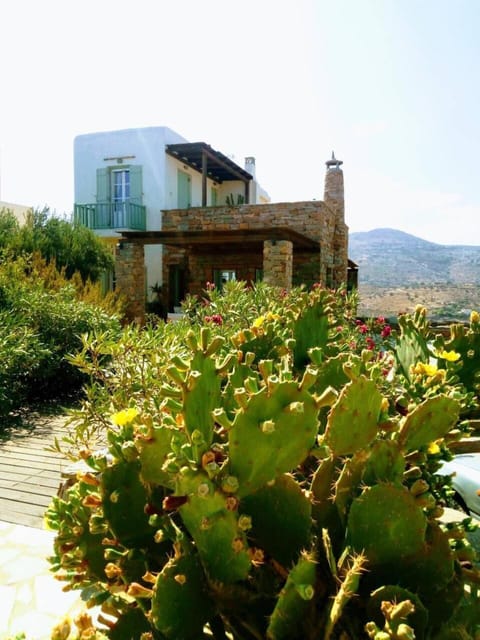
[(130, 278), (280, 262)]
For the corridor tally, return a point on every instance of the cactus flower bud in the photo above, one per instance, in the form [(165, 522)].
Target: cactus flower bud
[(136, 590), (180, 578), (268, 426), (203, 490), (305, 591), (244, 522), (237, 545), (61, 631), (230, 484), (404, 632), (112, 571)]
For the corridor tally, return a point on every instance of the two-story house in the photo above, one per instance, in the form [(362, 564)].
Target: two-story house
[(125, 179), (180, 214)]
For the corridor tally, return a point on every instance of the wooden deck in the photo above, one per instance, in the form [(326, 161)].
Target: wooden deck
[(30, 475)]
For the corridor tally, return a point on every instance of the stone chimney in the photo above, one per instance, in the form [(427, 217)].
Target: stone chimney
[(334, 198), (333, 194), (250, 166)]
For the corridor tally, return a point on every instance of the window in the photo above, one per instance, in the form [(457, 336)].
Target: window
[(213, 197), (221, 276), (117, 189), (120, 195)]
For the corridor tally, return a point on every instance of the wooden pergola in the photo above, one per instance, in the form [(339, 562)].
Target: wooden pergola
[(211, 164), (212, 240)]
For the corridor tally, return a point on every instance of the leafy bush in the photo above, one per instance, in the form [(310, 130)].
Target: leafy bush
[(39, 326), (270, 472), (73, 248)]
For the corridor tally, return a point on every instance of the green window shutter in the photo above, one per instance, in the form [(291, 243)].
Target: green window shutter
[(103, 185), (213, 197), (183, 190), (136, 187)]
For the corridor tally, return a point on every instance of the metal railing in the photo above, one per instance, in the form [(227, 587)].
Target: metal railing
[(111, 215)]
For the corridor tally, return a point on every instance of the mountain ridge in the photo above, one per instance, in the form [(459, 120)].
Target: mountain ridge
[(390, 257)]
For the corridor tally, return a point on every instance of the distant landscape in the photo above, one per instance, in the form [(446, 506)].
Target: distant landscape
[(397, 271)]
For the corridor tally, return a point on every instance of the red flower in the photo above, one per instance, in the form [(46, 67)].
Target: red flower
[(386, 331), (217, 318), (380, 320), (363, 328)]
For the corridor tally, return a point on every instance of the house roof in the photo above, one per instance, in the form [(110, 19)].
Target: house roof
[(214, 238), (218, 166)]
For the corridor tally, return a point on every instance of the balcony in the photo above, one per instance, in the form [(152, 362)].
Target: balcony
[(111, 215)]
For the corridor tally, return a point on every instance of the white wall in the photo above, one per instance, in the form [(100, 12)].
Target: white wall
[(159, 176), (148, 147)]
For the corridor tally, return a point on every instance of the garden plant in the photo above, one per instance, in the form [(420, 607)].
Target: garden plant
[(265, 468)]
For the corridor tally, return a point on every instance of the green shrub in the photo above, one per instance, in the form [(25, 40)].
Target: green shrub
[(39, 327), (269, 472)]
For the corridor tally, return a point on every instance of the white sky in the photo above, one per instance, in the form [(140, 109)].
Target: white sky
[(391, 85)]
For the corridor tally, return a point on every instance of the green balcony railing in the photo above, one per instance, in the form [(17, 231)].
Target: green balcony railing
[(111, 215)]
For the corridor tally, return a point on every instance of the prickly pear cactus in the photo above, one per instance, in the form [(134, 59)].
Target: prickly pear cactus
[(264, 480)]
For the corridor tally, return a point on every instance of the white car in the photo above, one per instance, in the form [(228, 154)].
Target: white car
[(465, 481)]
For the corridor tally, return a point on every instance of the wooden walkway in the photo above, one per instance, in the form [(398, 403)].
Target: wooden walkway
[(30, 475)]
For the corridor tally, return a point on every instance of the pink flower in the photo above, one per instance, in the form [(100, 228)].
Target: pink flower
[(380, 320), (370, 344), (363, 328), (210, 286), (340, 328), (217, 318), (386, 331)]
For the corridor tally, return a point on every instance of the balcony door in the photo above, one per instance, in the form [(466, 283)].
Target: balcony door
[(120, 195)]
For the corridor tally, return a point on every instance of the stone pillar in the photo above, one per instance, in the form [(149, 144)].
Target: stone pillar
[(334, 198), (130, 278), (278, 263)]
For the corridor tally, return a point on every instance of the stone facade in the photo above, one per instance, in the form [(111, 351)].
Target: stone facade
[(285, 244), (130, 277), (278, 263), (313, 219)]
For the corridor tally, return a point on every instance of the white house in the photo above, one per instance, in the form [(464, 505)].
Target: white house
[(124, 179)]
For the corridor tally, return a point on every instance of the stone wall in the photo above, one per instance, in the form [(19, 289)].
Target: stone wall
[(314, 219), (278, 263), (130, 278)]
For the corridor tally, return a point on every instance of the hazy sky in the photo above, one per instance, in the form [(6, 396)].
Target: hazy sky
[(391, 85)]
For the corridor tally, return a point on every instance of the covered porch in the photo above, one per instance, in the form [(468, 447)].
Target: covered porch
[(193, 258)]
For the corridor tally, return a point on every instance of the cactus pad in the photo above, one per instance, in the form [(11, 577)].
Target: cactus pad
[(221, 543), (123, 499), (352, 421), (386, 524), (430, 421), (271, 435), (281, 507), (181, 604), (294, 601)]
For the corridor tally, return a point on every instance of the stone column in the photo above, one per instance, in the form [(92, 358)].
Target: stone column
[(130, 278), (278, 263)]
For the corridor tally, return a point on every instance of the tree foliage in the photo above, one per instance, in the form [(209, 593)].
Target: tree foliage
[(73, 248)]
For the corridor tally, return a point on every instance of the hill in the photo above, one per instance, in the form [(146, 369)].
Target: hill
[(399, 271), (390, 258)]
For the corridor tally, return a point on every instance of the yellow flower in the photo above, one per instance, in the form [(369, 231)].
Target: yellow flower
[(425, 369), (272, 316), (258, 322), (474, 317), (121, 418), (449, 356), (433, 448)]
